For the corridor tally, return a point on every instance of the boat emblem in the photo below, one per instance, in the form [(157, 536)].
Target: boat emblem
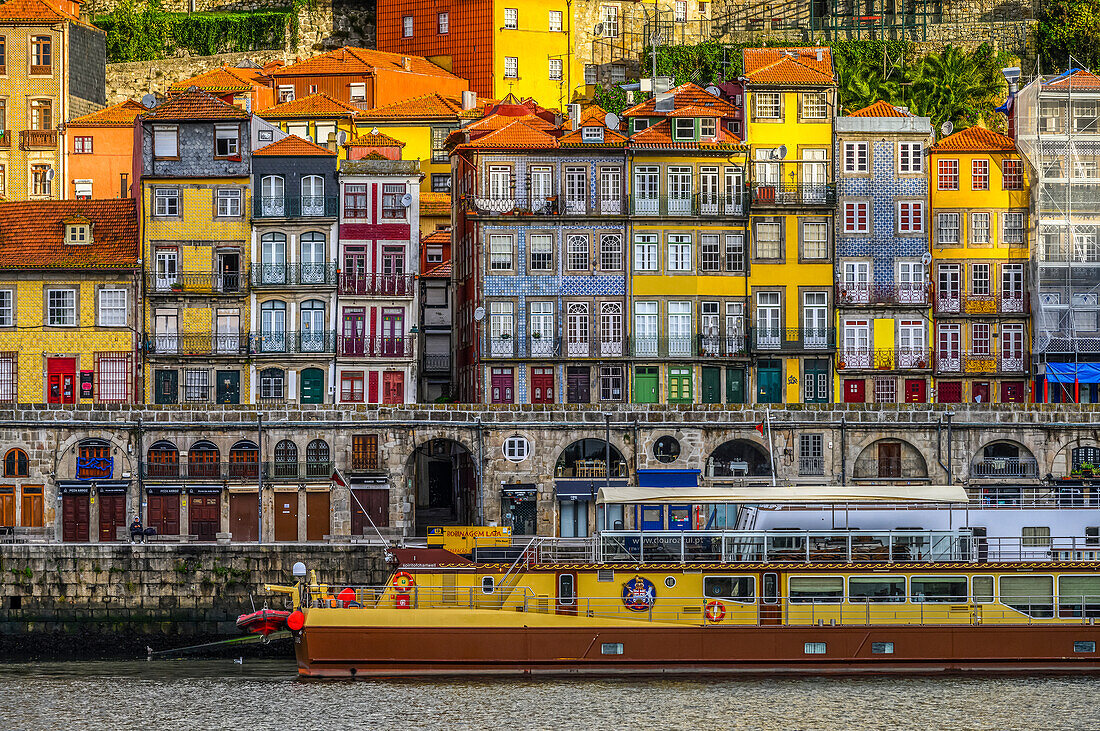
[(639, 594)]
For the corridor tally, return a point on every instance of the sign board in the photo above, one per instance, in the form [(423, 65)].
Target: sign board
[(87, 378), (462, 538)]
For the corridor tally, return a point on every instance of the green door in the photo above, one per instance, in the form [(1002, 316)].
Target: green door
[(735, 385), (313, 386), (679, 385), (227, 389), (166, 387), (815, 385), (712, 385), (645, 385), (769, 380)]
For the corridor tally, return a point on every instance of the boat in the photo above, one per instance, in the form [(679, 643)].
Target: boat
[(263, 621), (881, 598)]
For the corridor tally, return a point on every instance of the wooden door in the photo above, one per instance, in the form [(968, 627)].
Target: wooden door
[(286, 516), (317, 516), (393, 387), (313, 386), (735, 385), (578, 385), (393, 333), (7, 506), (32, 507), (228, 387), (112, 516), (855, 391), (61, 380), (915, 392), (166, 387), (889, 459), (74, 518), (712, 385), (771, 611), (502, 384), (768, 384), (164, 514), (542, 385), (204, 516), (979, 392), (373, 503), (244, 516)]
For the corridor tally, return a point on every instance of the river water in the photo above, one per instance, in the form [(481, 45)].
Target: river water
[(266, 694)]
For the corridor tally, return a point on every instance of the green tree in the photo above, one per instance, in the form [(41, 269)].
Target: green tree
[(862, 83), (956, 86), (1069, 28)]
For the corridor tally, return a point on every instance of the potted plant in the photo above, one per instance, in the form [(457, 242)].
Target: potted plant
[(506, 336), (177, 286), (1087, 469)]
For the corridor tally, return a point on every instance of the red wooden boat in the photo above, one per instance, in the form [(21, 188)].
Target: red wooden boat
[(263, 621)]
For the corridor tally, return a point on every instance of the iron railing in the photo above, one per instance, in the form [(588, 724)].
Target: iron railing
[(375, 347), (278, 275), (293, 341), (94, 468), (198, 344), (38, 139), (990, 361), (295, 206), (196, 283), (5, 138), (793, 194), (903, 294), (372, 284), (553, 346), (201, 470), (437, 362), (793, 338), (315, 470), (534, 205), (691, 204), (811, 466), (1011, 467), (960, 303), (887, 359)]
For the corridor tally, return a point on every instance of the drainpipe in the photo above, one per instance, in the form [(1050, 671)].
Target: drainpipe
[(260, 477), (939, 447), (480, 466), (607, 466), (140, 483), (950, 473), (843, 453)]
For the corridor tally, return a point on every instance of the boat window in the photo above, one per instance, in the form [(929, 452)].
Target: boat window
[(734, 588), (1032, 595), (651, 514), (806, 589), (771, 589), (882, 648), (983, 589), (1079, 596), (678, 514), (566, 592), (876, 589), (938, 588), (487, 585)]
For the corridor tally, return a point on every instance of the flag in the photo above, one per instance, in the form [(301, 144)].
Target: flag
[(760, 428), (338, 478)]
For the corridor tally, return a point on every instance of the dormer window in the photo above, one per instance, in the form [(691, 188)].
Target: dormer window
[(78, 233), (592, 134), (684, 129), (708, 127), (640, 123)]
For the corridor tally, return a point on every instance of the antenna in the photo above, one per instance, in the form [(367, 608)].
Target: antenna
[(947, 128), (611, 121), (149, 101)]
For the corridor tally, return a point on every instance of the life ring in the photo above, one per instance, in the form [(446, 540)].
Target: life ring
[(715, 611), (403, 581)]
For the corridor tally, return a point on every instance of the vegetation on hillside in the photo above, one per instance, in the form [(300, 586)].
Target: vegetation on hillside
[(1069, 28)]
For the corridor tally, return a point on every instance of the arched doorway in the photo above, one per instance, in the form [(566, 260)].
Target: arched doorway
[(444, 484), (582, 469), (890, 459), (738, 458)]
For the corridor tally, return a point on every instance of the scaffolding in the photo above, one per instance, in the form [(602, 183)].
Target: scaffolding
[(1058, 134)]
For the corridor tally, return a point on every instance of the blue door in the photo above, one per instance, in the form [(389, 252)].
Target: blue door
[(653, 517), (679, 517)]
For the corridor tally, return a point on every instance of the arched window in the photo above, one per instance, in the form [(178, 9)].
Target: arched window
[(312, 330), (272, 200), (272, 381), (313, 195), (273, 326), (315, 270), (244, 460), (273, 258), (202, 460), (93, 460), (588, 458), (317, 459), (164, 460), (286, 459), (15, 463)]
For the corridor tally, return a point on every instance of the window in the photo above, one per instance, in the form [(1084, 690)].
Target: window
[(555, 72), (441, 182), (3, 62), (684, 129), (708, 127), (555, 27), (1035, 537), (911, 157), (511, 18), (1013, 172), (364, 451), (680, 13), (229, 202), (679, 252), (40, 180), (284, 94), (769, 240), (500, 252), (112, 308), (947, 228), (433, 254), (645, 252), (82, 145), (708, 253), (1013, 228), (882, 648), (41, 54), (196, 386), (856, 217), (516, 448), (767, 105), (357, 93), (589, 134), (407, 26), (813, 648), (855, 157), (355, 201), (392, 205), (41, 114), (948, 175), (815, 240), (271, 383), (9, 377), (885, 390), (1078, 645), (910, 217), (609, 19), (815, 105), (542, 252), (611, 252), (811, 455), (351, 387), (979, 175), (61, 307), (979, 229), (166, 142), (225, 141), (511, 67), (15, 463), (7, 308), (444, 23), (166, 201), (731, 588), (735, 253), (577, 258), (77, 233), (876, 589)]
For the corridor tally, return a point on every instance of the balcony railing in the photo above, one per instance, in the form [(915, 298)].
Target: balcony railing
[(38, 139), (293, 341), (281, 275), (196, 283), (697, 204), (885, 359), (1009, 467), (295, 206), (198, 344), (811, 466), (552, 347), (5, 139), (201, 471), (437, 362), (385, 285), (318, 470), (903, 294), (958, 303), (793, 194), (376, 347), (990, 362), (723, 346), (793, 338), (531, 205)]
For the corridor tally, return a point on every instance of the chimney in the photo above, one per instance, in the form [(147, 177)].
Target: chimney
[(406, 63), (574, 116), (820, 55), (469, 100)]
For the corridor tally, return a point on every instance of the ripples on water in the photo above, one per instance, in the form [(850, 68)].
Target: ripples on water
[(197, 695)]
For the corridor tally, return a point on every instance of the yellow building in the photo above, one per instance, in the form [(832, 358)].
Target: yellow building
[(790, 97), (688, 283), (979, 201), (68, 302), (196, 237), (318, 118)]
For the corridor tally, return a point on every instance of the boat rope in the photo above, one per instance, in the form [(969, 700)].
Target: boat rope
[(232, 641)]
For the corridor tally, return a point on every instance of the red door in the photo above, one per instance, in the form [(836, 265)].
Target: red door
[(542, 385), (164, 514), (204, 516), (979, 393), (112, 516), (503, 386), (915, 391), (854, 391), (1012, 392), (354, 334), (74, 518), (61, 380), (393, 387)]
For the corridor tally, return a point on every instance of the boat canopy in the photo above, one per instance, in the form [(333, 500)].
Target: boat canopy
[(827, 494)]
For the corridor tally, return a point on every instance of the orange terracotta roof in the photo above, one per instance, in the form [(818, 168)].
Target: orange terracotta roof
[(32, 234), (431, 106), (611, 138), (223, 79), (1078, 79), (119, 115), (194, 104), (881, 109), (660, 136), (293, 146), (518, 134), (440, 271), (358, 61), (435, 204), (975, 139), (685, 95), (788, 66), (376, 139), (440, 235), (314, 105), (35, 12)]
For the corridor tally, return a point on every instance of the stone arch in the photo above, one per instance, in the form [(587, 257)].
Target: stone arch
[(162, 459), (1075, 452), (890, 458), (738, 458), (442, 473), (588, 458), (1004, 458)]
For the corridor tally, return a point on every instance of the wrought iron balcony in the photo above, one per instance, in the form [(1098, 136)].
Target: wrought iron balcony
[(552, 347), (811, 466), (195, 283), (959, 303), (981, 362), (883, 359), (375, 347), (901, 294), (698, 204), (437, 363), (535, 205), (295, 206), (380, 285), (282, 275), (201, 470), (1008, 467), (197, 344), (793, 338), (317, 470), (293, 341), (38, 139), (723, 346), (793, 194)]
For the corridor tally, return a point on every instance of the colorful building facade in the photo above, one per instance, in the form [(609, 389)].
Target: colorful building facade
[(318, 118), (100, 152)]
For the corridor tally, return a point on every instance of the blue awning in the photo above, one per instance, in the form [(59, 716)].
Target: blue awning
[(1073, 372), (583, 489), (668, 478)]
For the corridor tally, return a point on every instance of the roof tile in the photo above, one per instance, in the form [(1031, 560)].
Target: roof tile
[(517, 134), (352, 60), (660, 136), (293, 146), (975, 139), (1076, 79), (194, 104), (435, 204), (376, 139), (685, 95), (119, 115), (789, 66), (432, 106), (222, 80), (881, 109), (32, 234), (314, 105), (35, 11)]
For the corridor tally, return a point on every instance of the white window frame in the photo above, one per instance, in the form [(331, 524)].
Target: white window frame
[(61, 308), (226, 198), (7, 308), (856, 227), (112, 314), (910, 216), (979, 228), (555, 70), (162, 136), (407, 26), (645, 252), (767, 105), (166, 202), (443, 23), (501, 247), (511, 18), (819, 105), (856, 158), (679, 253), (947, 221), (511, 67), (554, 24), (910, 158)]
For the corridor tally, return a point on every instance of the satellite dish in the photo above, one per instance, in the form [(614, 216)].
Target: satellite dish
[(342, 137), (309, 137), (406, 200), (714, 90), (374, 131), (947, 128), (50, 174), (149, 101), (926, 258), (479, 314), (780, 152), (598, 30), (611, 121)]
